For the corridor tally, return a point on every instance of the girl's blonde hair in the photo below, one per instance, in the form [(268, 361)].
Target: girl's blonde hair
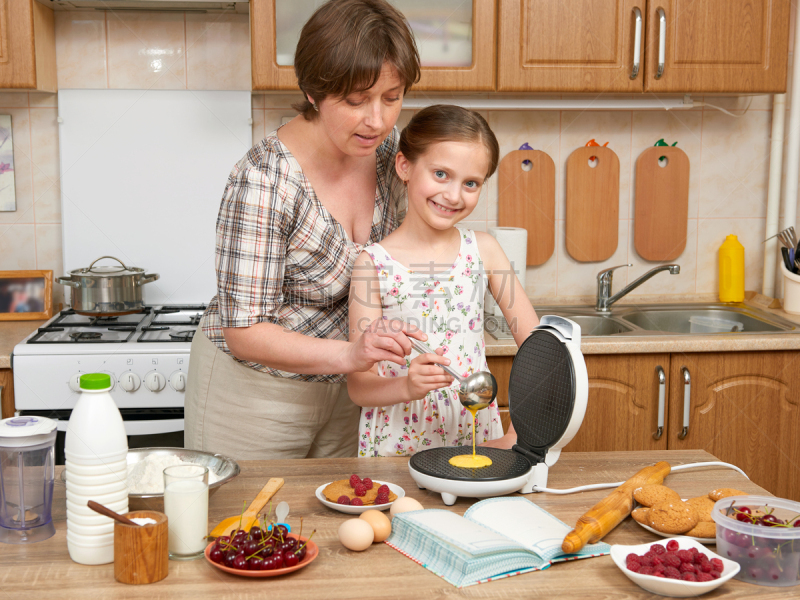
[(448, 123)]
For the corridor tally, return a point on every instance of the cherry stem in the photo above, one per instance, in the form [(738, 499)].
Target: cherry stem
[(306, 542)]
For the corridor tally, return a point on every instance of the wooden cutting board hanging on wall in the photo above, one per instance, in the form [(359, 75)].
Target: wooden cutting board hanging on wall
[(592, 216), (661, 205), (528, 199)]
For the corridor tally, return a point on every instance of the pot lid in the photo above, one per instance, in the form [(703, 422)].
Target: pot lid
[(25, 431), (119, 270)]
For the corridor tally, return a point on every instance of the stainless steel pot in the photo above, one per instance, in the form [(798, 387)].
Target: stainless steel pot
[(107, 290)]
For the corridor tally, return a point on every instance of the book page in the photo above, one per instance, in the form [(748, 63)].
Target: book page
[(522, 521), (469, 536)]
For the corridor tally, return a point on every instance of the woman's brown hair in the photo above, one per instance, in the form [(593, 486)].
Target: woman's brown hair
[(447, 123), (344, 45)]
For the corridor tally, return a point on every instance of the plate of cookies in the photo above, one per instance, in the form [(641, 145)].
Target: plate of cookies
[(356, 495), (662, 511)]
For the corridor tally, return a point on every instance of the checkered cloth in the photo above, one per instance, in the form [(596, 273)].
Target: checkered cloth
[(281, 257)]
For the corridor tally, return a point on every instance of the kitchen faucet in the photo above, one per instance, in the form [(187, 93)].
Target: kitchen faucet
[(604, 278)]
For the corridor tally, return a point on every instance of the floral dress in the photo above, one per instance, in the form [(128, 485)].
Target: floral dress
[(448, 307)]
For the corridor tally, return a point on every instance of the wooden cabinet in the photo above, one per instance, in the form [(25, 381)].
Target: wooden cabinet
[(570, 45), (268, 74), (27, 46), (6, 393), (743, 408), (725, 46)]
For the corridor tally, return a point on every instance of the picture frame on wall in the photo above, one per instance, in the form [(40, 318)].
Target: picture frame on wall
[(8, 194), (26, 295)]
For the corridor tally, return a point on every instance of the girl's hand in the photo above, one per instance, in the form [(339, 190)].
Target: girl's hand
[(505, 442), (382, 340), (424, 374)]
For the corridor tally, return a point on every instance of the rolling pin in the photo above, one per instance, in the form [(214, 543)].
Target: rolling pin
[(609, 512)]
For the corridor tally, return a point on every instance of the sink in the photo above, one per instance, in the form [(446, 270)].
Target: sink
[(678, 321), (592, 325)]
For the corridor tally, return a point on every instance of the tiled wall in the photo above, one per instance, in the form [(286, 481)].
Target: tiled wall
[(729, 156)]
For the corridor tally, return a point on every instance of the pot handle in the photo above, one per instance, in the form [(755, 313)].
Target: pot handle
[(101, 258), (68, 282), (148, 278)]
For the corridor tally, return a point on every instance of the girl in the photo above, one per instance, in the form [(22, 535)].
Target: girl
[(432, 275)]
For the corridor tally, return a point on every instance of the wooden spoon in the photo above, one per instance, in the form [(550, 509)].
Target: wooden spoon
[(99, 508)]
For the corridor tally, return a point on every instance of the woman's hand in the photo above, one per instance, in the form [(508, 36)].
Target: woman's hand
[(382, 340), (505, 442), (424, 374)]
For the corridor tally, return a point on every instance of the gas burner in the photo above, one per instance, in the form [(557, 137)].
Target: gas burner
[(85, 335), (183, 336), (103, 320)]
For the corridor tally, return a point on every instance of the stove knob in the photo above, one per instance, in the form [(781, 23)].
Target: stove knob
[(178, 381), (129, 381), (75, 382), (155, 381)]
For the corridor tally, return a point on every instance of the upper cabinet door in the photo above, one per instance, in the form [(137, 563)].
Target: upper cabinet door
[(27, 46), (735, 46), (571, 45), (456, 41)]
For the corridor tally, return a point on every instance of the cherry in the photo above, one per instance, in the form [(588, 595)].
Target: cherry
[(216, 555), (229, 556), (796, 523), (744, 518), (770, 520), (240, 562), (255, 533), (266, 551), (255, 563), (250, 547), (301, 553), (224, 540), (281, 531), (277, 560), (290, 559)]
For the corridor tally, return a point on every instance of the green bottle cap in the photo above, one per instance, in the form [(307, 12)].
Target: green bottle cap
[(95, 381)]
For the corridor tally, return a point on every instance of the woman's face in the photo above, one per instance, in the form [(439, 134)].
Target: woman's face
[(358, 123)]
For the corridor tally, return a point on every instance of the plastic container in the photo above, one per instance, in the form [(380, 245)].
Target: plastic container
[(731, 270), (767, 555), (791, 291), (713, 325), (96, 447)]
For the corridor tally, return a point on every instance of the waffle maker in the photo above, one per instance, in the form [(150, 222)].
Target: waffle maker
[(547, 393)]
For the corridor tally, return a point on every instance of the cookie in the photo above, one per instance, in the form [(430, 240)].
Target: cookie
[(341, 487), (703, 506), (650, 495), (721, 493), (641, 515), (703, 530), (672, 516)]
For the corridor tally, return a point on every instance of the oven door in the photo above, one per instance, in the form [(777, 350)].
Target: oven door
[(146, 427)]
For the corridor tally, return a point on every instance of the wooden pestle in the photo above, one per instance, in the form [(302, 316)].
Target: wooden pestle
[(609, 512)]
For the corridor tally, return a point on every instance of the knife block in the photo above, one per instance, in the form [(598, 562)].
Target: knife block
[(141, 554)]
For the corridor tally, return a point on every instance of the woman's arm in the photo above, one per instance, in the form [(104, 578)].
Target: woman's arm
[(367, 388)]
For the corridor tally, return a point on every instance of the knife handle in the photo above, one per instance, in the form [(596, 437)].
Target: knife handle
[(267, 492)]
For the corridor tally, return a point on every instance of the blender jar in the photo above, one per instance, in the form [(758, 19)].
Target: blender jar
[(27, 471)]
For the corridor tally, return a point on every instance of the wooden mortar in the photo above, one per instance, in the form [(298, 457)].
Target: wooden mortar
[(141, 553)]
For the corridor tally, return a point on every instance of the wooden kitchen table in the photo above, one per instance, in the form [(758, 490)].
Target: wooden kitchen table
[(44, 570)]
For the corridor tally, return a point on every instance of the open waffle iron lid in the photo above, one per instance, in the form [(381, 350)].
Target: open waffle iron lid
[(547, 400)]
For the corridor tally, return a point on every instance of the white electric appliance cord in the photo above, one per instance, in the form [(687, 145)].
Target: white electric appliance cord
[(601, 486)]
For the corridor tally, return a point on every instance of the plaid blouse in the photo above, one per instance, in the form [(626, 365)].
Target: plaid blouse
[(281, 257)]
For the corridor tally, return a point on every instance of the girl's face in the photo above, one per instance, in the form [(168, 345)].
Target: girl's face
[(445, 183), (357, 124)]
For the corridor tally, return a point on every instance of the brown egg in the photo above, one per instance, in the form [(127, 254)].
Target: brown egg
[(379, 522), (356, 534)]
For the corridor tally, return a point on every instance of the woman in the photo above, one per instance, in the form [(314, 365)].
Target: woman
[(268, 364)]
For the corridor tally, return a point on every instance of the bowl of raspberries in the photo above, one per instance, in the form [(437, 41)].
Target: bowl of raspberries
[(356, 494), (680, 567)]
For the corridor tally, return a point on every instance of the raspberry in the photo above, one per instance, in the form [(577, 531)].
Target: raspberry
[(646, 561), (671, 560), (343, 500), (685, 556), (715, 574), (717, 564), (657, 560), (672, 573), (634, 566), (649, 554), (367, 482), (704, 577), (631, 557), (356, 502), (659, 575), (646, 571), (354, 479), (688, 577), (687, 568), (672, 546), (657, 549), (694, 551), (659, 570), (360, 489), (705, 567), (382, 499), (384, 489)]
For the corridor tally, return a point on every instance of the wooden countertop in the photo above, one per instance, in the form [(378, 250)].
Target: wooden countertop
[(46, 570), (11, 334)]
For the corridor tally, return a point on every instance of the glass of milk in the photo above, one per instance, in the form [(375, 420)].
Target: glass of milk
[(186, 507)]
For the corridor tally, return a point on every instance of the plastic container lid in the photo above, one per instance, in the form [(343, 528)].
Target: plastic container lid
[(713, 325), (17, 432), (95, 381)]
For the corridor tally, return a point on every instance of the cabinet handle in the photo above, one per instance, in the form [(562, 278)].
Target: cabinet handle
[(637, 43), (687, 402), (662, 393), (662, 42)]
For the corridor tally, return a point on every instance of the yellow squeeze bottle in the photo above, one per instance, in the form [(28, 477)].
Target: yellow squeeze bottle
[(731, 270)]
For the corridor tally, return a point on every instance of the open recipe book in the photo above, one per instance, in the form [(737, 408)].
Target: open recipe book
[(495, 538)]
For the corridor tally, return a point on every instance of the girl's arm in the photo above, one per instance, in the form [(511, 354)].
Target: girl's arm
[(513, 302), (368, 388)]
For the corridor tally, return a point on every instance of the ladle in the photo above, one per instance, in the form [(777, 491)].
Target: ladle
[(476, 391)]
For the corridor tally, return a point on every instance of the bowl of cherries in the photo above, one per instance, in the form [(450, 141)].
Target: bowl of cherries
[(262, 552), (762, 534)]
